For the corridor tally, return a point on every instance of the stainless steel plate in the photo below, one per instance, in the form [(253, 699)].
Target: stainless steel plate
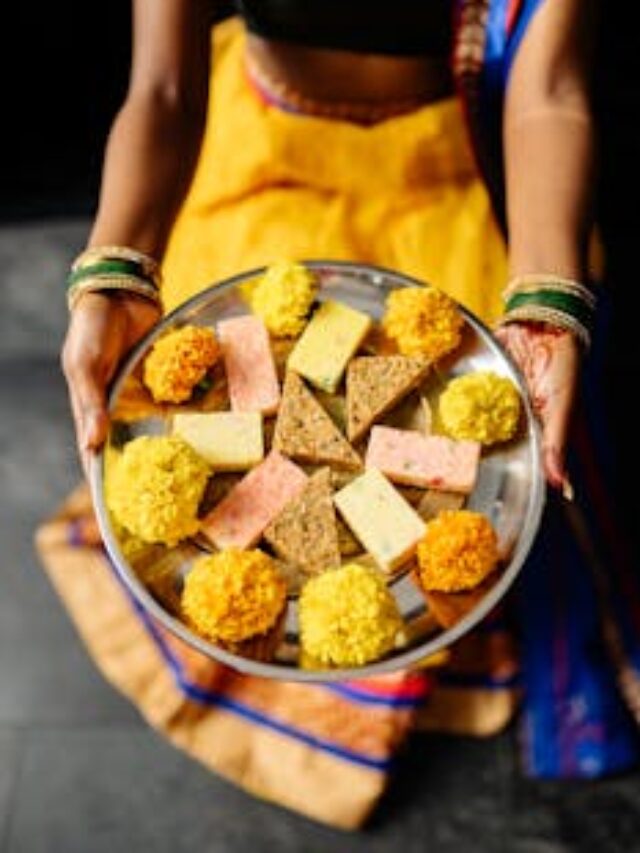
[(510, 491)]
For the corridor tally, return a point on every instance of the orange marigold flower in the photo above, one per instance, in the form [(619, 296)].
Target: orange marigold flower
[(178, 361), (423, 321), (233, 595), (458, 551)]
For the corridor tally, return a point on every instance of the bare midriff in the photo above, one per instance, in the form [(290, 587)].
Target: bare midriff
[(328, 78)]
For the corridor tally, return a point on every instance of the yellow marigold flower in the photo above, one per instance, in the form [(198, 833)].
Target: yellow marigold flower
[(422, 321), (154, 488), (283, 298), (178, 361), (348, 617), (459, 549), (480, 406), (233, 595)]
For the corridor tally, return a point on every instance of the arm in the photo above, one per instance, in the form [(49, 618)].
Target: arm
[(150, 157), (549, 163)]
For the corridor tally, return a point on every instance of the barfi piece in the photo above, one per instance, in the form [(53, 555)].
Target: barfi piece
[(305, 532), (431, 462), (229, 441), (249, 364), (433, 503), (331, 338), (305, 432), (239, 520), (375, 384), (381, 519)]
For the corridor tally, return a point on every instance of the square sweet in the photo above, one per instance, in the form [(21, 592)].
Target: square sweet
[(239, 520), (330, 339), (431, 462), (229, 441), (249, 365), (380, 518)]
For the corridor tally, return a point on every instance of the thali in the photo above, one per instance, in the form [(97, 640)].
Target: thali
[(509, 491)]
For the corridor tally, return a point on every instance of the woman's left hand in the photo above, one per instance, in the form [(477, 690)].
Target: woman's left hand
[(550, 360)]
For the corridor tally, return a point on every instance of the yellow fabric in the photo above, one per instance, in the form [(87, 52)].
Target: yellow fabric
[(403, 193)]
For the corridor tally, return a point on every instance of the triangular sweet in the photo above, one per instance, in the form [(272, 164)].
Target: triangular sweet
[(375, 383), (305, 532), (305, 432)]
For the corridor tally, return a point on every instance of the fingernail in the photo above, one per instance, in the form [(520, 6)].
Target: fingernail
[(567, 490)]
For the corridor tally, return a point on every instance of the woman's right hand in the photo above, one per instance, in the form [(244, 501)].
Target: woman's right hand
[(102, 329)]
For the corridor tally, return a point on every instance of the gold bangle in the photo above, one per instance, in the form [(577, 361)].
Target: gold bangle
[(549, 317), (533, 282), (149, 265), (127, 284)]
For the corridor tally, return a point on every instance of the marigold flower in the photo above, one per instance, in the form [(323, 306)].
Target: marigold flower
[(154, 488), (233, 595), (458, 551), (178, 361), (423, 321), (480, 406), (348, 617), (283, 298)]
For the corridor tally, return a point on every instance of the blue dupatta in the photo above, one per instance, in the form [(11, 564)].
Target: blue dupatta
[(577, 604)]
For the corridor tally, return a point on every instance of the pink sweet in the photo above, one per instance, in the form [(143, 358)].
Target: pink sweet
[(240, 518), (248, 361), (431, 462)]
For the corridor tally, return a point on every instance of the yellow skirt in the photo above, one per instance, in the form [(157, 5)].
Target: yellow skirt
[(403, 193), (269, 185)]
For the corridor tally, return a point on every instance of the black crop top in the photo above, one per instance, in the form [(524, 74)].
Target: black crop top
[(401, 28)]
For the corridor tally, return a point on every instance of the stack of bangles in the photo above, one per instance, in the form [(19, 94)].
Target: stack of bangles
[(113, 268), (558, 302)]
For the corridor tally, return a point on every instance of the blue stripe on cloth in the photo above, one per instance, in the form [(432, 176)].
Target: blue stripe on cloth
[(361, 696), (215, 699)]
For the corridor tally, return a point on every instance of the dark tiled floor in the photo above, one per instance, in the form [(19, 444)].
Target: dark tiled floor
[(80, 773)]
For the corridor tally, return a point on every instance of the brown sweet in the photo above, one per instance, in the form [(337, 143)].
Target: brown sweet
[(375, 384), (305, 533), (306, 433)]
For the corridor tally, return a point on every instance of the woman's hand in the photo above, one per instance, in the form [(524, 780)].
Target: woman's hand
[(102, 329), (549, 359)]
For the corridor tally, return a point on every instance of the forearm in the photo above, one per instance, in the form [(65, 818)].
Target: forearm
[(149, 161), (549, 158)]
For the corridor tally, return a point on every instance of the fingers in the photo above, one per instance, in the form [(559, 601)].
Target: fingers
[(548, 360), (85, 368), (555, 430)]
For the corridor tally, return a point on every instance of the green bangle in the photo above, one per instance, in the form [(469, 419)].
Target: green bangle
[(110, 268), (567, 303)]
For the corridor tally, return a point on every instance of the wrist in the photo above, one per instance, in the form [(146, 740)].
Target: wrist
[(558, 303), (114, 270)]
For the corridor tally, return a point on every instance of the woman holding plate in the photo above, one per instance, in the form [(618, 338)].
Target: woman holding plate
[(452, 141)]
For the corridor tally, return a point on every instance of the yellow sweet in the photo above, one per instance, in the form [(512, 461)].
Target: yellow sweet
[(178, 361), (233, 595), (154, 488), (458, 551), (422, 321), (348, 617), (283, 298), (480, 406)]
